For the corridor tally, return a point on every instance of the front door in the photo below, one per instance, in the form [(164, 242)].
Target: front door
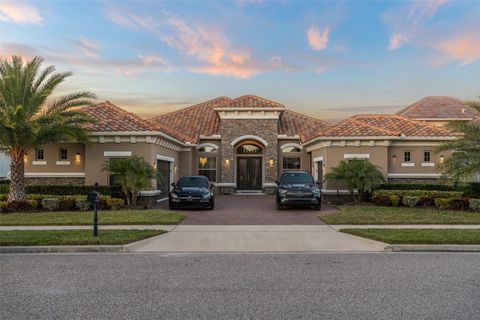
[(249, 173)]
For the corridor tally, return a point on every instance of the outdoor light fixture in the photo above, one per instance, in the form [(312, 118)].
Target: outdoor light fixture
[(442, 158), (227, 162), (394, 158), (203, 161), (25, 158), (78, 158), (270, 162), (155, 165)]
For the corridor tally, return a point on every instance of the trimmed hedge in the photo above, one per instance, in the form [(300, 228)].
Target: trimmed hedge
[(418, 193), (470, 189), (66, 190)]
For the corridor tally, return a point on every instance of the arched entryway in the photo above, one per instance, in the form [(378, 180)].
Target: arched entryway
[(249, 168)]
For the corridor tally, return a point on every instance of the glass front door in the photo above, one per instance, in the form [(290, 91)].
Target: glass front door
[(249, 173)]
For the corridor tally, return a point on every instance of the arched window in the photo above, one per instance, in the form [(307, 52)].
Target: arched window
[(207, 149), (291, 149), (249, 149)]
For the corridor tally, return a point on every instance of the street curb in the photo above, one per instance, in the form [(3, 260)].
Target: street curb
[(61, 249), (432, 248)]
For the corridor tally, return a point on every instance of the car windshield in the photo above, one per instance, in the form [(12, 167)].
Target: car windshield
[(192, 182), (296, 178)]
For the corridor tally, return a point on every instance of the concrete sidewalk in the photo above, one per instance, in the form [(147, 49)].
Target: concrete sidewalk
[(405, 226), (255, 238)]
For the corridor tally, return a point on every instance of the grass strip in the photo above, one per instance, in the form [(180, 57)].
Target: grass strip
[(419, 236), (73, 237)]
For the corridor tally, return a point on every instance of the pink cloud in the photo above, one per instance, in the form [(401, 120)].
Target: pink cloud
[(463, 47), (18, 12), (408, 21), (318, 39)]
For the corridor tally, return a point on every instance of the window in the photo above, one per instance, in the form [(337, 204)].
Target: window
[(427, 156), (207, 167), (291, 164), (62, 154), (407, 156), (39, 154), (249, 149), (113, 180), (207, 149), (291, 149)]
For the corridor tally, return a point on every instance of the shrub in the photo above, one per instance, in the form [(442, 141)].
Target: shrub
[(4, 188), (115, 203), (417, 186), (419, 193), (82, 204), (382, 200), (449, 203), (410, 201), (17, 206), (66, 204), (474, 204), (51, 204), (3, 206), (394, 199), (441, 203)]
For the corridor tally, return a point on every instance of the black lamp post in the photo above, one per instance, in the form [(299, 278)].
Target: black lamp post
[(94, 198)]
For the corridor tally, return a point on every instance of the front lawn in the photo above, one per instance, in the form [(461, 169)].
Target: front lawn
[(399, 215), (419, 236), (86, 218), (73, 237)]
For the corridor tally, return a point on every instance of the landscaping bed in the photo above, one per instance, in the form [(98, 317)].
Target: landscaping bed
[(86, 218), (73, 237), (398, 215), (419, 236)]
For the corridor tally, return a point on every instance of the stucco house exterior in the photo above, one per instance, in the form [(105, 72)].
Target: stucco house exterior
[(243, 144)]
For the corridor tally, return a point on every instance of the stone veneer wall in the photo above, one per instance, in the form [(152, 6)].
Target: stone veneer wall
[(55, 181), (231, 129)]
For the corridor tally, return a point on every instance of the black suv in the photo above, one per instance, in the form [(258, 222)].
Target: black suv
[(192, 192), (298, 188)]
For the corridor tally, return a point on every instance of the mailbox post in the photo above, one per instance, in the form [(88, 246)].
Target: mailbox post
[(94, 198)]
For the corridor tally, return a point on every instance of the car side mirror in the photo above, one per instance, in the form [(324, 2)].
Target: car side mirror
[(173, 184), (317, 182), (212, 185)]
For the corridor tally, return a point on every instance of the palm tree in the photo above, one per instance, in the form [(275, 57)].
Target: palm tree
[(29, 119), (357, 174), (133, 174), (464, 162)]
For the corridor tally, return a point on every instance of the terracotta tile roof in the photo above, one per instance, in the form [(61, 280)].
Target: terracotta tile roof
[(251, 101), (401, 125), (293, 123), (438, 107), (110, 118), (191, 122), (353, 128)]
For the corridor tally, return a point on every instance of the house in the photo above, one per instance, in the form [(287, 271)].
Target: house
[(243, 144)]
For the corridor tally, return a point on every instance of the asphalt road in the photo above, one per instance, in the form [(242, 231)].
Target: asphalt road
[(240, 286)]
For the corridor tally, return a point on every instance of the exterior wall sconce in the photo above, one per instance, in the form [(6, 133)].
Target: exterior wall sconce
[(78, 157), (203, 161), (270, 163), (155, 165), (25, 158), (227, 163), (394, 159), (175, 168), (442, 159)]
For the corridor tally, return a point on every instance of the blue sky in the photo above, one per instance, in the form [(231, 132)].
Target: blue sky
[(326, 59)]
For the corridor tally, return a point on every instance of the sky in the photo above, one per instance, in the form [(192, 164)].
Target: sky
[(325, 59)]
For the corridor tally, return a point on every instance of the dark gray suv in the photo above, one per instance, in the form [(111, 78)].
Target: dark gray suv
[(298, 188)]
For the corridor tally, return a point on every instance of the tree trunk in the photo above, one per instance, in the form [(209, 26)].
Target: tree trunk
[(17, 178)]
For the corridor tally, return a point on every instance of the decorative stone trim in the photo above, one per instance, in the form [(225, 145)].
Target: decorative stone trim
[(39, 163), (165, 158), (201, 145), (296, 145), (408, 164), (63, 163), (317, 159), (117, 153), (55, 175), (428, 164), (249, 136), (356, 156)]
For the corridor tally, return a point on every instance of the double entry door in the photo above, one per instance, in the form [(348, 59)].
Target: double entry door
[(249, 173)]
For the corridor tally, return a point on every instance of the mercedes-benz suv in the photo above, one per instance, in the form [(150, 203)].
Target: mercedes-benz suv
[(192, 192), (298, 188)]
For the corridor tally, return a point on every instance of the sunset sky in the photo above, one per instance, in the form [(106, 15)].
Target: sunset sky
[(326, 59)]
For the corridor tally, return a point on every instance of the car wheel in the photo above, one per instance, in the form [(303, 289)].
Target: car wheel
[(279, 206), (318, 206)]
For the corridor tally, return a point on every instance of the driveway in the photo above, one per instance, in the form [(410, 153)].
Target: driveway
[(250, 210)]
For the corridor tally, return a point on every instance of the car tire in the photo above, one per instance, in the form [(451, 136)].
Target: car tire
[(318, 206), (279, 206)]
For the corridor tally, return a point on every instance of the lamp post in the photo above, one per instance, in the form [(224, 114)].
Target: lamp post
[(94, 198)]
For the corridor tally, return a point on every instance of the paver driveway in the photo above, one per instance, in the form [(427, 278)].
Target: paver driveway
[(250, 210)]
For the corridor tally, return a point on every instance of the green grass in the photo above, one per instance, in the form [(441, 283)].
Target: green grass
[(73, 237), (398, 215), (419, 236), (86, 218)]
